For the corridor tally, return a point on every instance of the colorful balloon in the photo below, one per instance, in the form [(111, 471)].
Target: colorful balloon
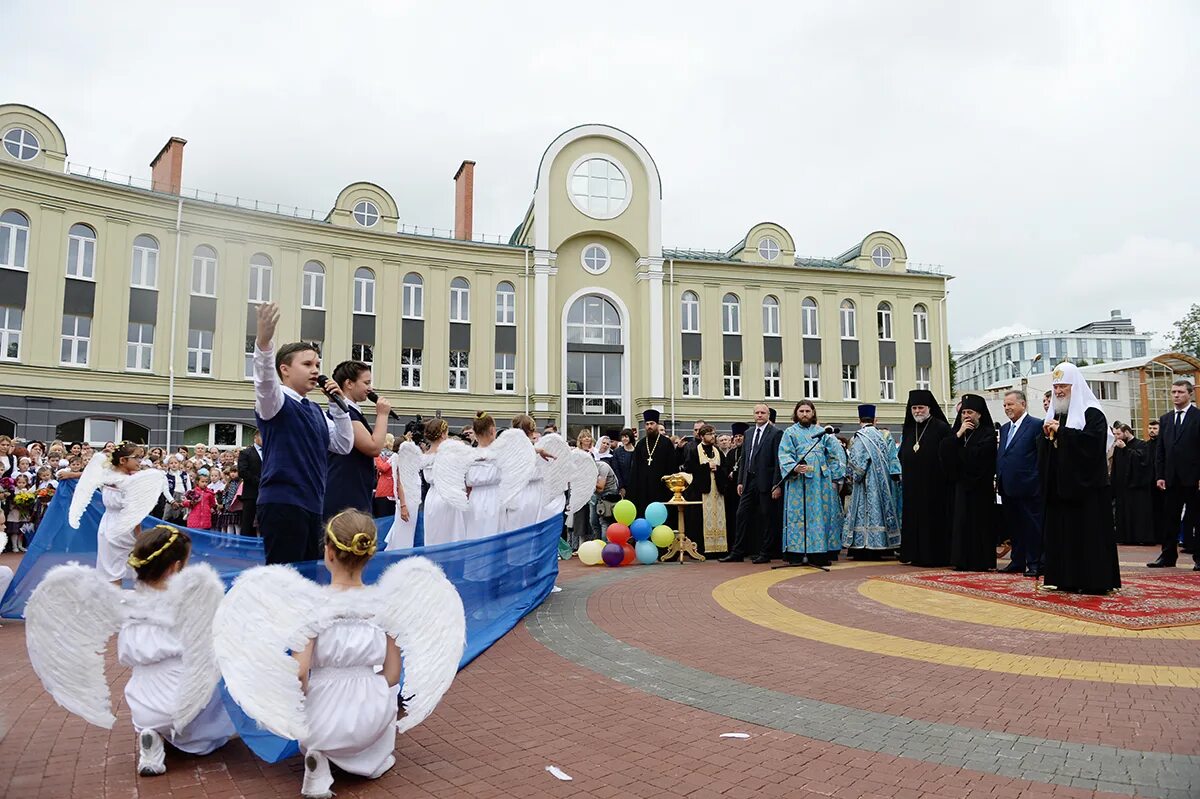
[(625, 512), (591, 553), (640, 530), (646, 552), (613, 554), (656, 514), (618, 533), (630, 555), (662, 536)]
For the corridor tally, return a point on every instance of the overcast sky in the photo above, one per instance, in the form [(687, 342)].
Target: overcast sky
[(1044, 153)]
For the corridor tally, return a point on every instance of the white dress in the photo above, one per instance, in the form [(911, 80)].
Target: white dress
[(443, 523), (486, 516), (151, 649), (403, 533), (113, 546), (351, 708)]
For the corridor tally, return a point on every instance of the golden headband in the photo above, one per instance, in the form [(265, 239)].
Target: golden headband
[(138, 563), (361, 545)]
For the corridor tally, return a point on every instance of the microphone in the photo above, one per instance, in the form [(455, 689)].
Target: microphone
[(829, 430), (341, 403), (373, 397)]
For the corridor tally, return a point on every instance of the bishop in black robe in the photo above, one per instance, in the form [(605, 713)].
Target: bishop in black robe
[(654, 458), (928, 493), (1132, 484), (969, 459), (734, 459)]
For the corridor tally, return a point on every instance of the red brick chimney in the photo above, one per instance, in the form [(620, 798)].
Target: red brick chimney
[(166, 170), (464, 200)]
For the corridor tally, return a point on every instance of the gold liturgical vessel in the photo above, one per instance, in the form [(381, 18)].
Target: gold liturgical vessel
[(682, 545)]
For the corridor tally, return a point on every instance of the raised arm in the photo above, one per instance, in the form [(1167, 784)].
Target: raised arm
[(268, 392)]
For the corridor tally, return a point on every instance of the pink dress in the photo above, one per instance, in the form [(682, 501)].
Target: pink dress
[(201, 515)]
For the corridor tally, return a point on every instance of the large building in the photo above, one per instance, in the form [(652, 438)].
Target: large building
[(126, 306), (1016, 356)]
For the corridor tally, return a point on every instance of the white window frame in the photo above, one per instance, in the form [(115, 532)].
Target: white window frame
[(143, 272), (506, 304), (364, 291), (581, 192), (201, 353), (76, 340), (89, 435), (594, 403), (247, 357), (10, 331), (848, 320), (204, 271), (881, 256), (732, 380), (460, 371), (81, 254), (689, 312), (21, 143), (920, 322), (360, 351), (411, 366), (849, 381), (922, 380), (770, 309), (260, 279), (768, 248), (136, 346), (506, 373), (883, 321), (460, 301), (887, 383), (312, 288), (595, 333), (731, 315), (691, 377), (592, 265), (15, 254), (772, 379), (412, 304), (366, 213), (812, 381), (810, 318)]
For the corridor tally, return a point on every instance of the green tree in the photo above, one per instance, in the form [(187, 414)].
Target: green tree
[(953, 371), (1186, 335)]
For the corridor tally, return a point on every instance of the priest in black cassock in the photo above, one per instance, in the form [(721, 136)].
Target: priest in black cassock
[(654, 458), (1132, 482), (734, 459), (969, 458), (1080, 546), (928, 493)]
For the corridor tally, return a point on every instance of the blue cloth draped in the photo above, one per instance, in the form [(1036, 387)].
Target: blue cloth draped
[(522, 566)]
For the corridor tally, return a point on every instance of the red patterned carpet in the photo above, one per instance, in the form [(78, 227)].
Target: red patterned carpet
[(1142, 603)]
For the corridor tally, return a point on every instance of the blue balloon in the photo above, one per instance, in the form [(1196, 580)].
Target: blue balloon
[(656, 514), (646, 551), (641, 530)]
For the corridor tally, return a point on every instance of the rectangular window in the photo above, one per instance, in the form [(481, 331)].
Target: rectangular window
[(248, 367), (139, 347), (364, 295), (770, 319), (506, 308), (362, 352), (14, 240), (204, 276), (413, 301), (733, 379), (812, 380), (691, 378), (145, 268), (1102, 348), (849, 381), (594, 383), (76, 336), (200, 353), (506, 373), (312, 291), (920, 324), (1118, 350), (887, 382), (923, 377), (731, 317), (81, 257), (1103, 389), (260, 283), (883, 318), (1060, 348), (772, 383), (690, 311), (458, 370), (460, 304), (1139, 348), (849, 321), (808, 317), (410, 368), (10, 333), (1083, 347)]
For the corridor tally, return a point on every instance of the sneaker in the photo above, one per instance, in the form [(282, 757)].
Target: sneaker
[(318, 781), (151, 755)]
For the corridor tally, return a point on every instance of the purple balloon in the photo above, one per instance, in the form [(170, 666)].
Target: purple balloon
[(613, 554)]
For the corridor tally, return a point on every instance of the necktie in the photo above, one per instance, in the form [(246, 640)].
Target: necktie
[(754, 444), (1178, 422), (1012, 433)]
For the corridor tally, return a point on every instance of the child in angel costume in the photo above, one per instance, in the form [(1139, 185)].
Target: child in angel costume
[(129, 494), (164, 634), (445, 469), (323, 665)]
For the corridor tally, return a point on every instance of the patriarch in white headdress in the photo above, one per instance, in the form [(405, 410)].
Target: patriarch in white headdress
[(1071, 400)]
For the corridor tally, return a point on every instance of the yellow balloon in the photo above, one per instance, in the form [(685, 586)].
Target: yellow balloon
[(591, 552), (625, 512), (662, 536)]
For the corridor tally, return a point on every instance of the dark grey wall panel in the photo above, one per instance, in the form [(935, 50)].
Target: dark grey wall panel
[(12, 287), (924, 353), (572, 347), (887, 353), (460, 336), (364, 329), (251, 320), (731, 348), (849, 351), (143, 306), (80, 297), (691, 347), (202, 314), (773, 349), (506, 339), (312, 325), (412, 334), (812, 350)]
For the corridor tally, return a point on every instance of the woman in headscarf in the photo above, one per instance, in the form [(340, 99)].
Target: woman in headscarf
[(969, 458)]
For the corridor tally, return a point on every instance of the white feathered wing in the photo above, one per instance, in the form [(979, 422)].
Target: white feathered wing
[(68, 620), (450, 466), (419, 607), (196, 593), (582, 478), (556, 472), (97, 473), (406, 470), (140, 492), (514, 456)]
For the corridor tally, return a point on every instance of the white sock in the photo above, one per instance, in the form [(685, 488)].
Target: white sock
[(151, 755), (318, 781)]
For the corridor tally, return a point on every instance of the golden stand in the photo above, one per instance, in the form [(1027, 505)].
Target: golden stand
[(682, 545)]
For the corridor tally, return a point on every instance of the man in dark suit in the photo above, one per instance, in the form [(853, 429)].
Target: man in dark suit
[(758, 530), (1177, 467), (1018, 485), (249, 464)]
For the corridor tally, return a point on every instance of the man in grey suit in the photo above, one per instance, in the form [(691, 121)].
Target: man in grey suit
[(1019, 487)]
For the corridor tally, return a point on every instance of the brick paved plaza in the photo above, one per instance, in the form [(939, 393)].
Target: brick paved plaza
[(627, 678)]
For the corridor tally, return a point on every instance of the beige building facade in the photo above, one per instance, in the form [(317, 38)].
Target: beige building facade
[(126, 306)]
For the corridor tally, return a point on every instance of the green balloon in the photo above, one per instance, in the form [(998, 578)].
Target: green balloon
[(662, 536), (625, 512)]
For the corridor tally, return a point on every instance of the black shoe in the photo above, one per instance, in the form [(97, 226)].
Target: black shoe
[(1161, 563), (761, 559), (1196, 568), (731, 559), (1011, 568), (1032, 573)]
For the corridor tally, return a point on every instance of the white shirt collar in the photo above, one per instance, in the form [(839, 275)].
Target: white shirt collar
[(288, 391), (1019, 419)]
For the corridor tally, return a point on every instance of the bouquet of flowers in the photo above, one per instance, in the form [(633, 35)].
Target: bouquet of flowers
[(45, 494), (23, 502), (7, 487), (191, 498)]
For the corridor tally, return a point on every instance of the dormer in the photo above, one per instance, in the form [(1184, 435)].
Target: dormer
[(878, 252), (765, 243), (29, 137), (367, 206)]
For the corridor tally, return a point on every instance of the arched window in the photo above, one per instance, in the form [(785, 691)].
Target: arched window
[(144, 274), (260, 278), (460, 300), (731, 315), (312, 290), (883, 315), (14, 239), (594, 380), (364, 291), (770, 310), (849, 319), (689, 312), (81, 252), (593, 320), (920, 323), (204, 271), (506, 303), (413, 297), (808, 319)]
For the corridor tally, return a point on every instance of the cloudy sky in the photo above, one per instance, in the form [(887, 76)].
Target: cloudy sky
[(1045, 153)]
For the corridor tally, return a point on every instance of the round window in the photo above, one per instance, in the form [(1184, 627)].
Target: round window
[(595, 258), (21, 144), (366, 213), (599, 187), (768, 248), (881, 256)]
